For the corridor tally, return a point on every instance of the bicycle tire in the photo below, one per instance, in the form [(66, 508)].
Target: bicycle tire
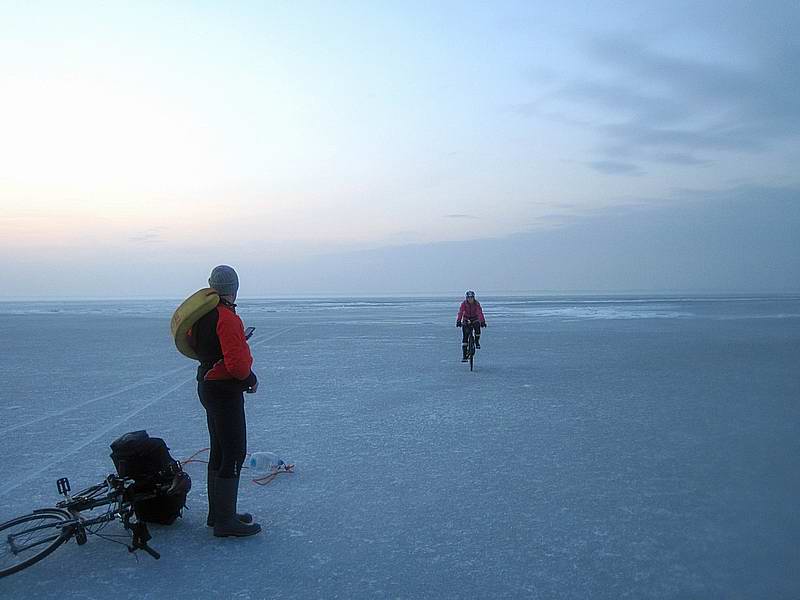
[(471, 349), (51, 527)]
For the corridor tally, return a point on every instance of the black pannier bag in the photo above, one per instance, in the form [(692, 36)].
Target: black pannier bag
[(147, 461)]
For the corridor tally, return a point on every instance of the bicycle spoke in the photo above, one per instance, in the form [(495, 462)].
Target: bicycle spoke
[(31, 541), (27, 539)]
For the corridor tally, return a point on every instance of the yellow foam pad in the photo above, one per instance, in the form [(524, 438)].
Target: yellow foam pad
[(187, 314)]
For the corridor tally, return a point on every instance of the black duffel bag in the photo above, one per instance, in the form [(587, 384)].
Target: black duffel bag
[(147, 461)]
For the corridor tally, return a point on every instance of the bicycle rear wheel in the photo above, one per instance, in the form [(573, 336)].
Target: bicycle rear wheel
[(471, 351), (27, 540)]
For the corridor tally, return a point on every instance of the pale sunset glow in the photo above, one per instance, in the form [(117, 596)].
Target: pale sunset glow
[(260, 133)]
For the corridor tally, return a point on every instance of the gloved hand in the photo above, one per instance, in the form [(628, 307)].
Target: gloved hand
[(250, 384), (483, 323), (458, 324)]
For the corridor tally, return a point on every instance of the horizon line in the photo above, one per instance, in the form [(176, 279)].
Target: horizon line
[(411, 295)]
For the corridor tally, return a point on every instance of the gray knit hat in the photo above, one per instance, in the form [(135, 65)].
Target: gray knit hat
[(225, 280)]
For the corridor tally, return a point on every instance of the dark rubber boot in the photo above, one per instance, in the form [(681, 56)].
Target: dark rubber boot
[(212, 477), (464, 353), (478, 342), (226, 493)]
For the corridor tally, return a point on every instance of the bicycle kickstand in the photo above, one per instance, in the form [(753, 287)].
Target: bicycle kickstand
[(140, 538)]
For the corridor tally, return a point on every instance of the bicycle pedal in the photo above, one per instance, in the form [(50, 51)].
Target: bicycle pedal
[(63, 486)]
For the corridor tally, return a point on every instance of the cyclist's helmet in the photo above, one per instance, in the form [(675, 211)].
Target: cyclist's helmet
[(470, 294)]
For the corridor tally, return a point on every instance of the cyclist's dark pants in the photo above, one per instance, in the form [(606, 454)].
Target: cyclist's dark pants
[(227, 430), (465, 327)]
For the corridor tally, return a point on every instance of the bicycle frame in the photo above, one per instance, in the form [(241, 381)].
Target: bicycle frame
[(120, 498), (65, 521)]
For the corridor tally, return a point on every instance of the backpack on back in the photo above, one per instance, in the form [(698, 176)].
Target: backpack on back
[(187, 314), (147, 461)]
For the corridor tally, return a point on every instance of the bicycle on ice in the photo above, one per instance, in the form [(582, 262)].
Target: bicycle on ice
[(26, 540), (471, 327)]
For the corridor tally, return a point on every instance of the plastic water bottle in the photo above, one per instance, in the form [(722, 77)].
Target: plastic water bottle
[(265, 462)]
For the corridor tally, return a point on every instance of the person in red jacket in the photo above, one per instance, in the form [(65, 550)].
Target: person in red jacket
[(470, 316), (224, 375)]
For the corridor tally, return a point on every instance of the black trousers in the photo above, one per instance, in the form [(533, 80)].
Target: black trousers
[(465, 327), (227, 429)]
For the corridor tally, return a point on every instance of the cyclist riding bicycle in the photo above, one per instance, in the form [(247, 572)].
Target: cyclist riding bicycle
[(470, 318)]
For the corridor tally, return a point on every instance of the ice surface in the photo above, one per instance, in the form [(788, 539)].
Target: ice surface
[(603, 448)]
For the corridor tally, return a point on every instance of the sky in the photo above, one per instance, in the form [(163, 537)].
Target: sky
[(415, 147)]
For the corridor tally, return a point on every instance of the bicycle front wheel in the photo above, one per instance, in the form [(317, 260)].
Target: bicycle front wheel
[(471, 351), (27, 540)]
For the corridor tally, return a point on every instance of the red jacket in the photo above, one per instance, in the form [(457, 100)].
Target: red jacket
[(470, 311), (220, 344)]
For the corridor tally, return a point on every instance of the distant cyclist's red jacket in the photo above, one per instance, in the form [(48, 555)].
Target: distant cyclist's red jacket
[(470, 311), (218, 338)]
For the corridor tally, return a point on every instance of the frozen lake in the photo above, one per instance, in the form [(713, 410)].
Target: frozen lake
[(603, 448)]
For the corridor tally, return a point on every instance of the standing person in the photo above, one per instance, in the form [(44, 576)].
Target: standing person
[(223, 376), (470, 316)]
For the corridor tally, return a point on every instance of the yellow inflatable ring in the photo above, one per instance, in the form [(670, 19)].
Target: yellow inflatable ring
[(187, 314)]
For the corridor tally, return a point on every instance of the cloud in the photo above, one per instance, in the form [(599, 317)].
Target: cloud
[(695, 104), (149, 236), (741, 239), (679, 158), (649, 103), (460, 216), (613, 167)]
